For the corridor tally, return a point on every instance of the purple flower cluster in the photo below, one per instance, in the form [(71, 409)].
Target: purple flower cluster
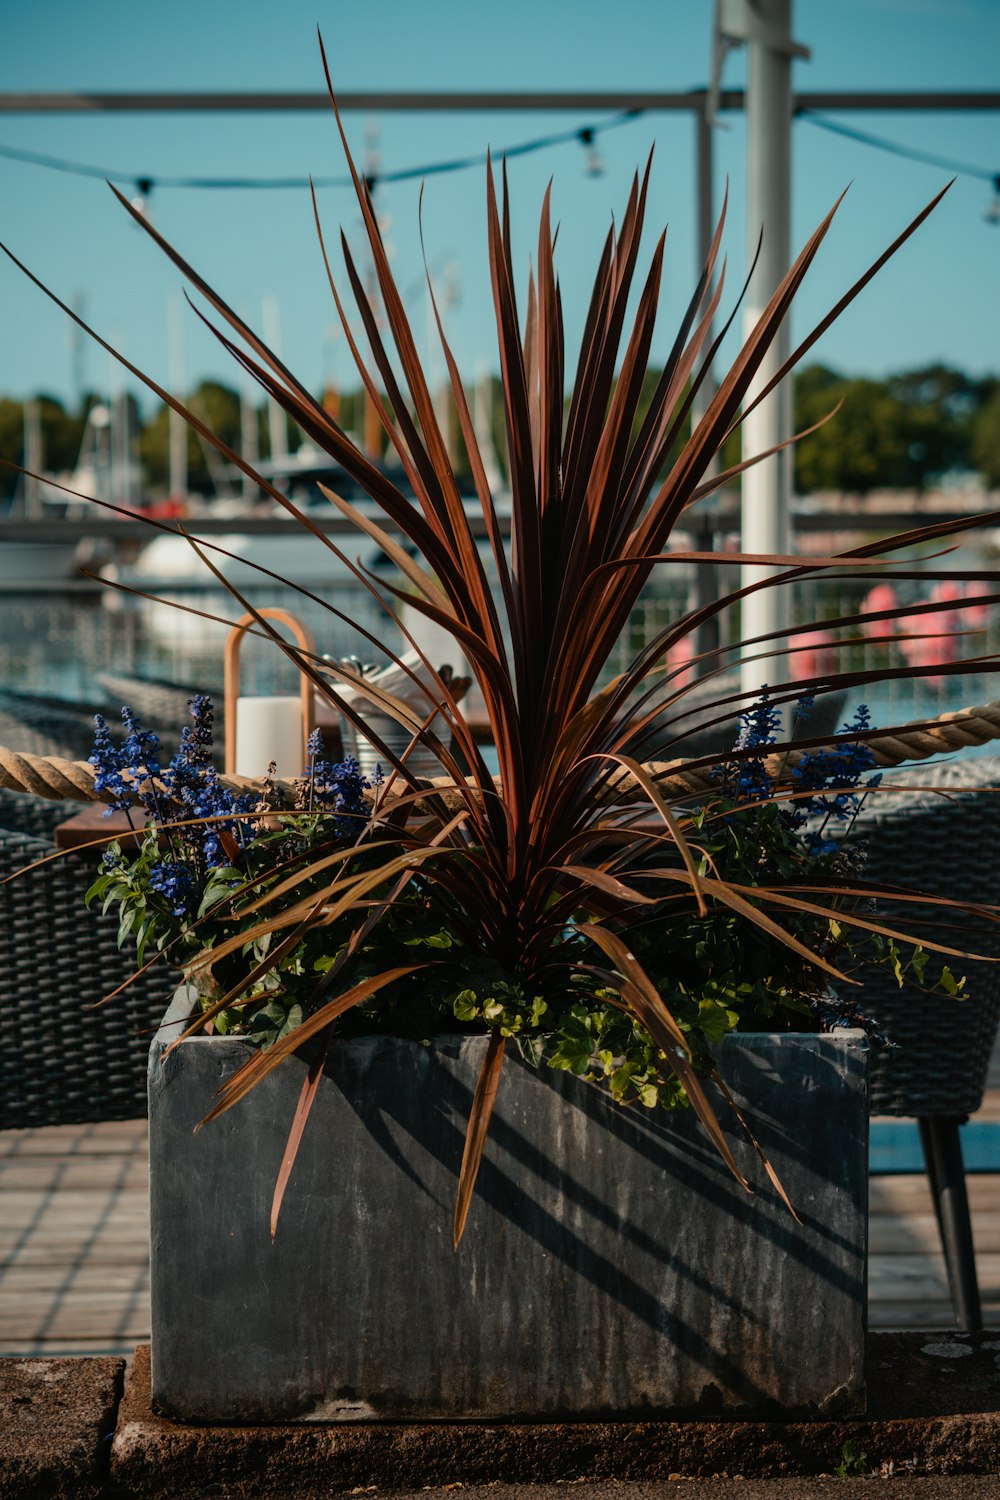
[(174, 881), (748, 779), (832, 775), (193, 783), (126, 770), (140, 747), (761, 723), (109, 765), (190, 789), (335, 787), (194, 753)]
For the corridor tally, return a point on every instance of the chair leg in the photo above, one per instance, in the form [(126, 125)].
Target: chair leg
[(942, 1149)]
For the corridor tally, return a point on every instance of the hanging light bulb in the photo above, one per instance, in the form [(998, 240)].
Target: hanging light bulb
[(992, 214), (593, 162), (143, 189)]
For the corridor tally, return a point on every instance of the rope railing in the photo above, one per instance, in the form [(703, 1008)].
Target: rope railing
[(73, 780)]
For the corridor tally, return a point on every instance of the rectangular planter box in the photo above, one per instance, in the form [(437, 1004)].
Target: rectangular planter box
[(611, 1266)]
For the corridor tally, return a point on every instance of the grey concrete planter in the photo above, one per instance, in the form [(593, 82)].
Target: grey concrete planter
[(611, 1267)]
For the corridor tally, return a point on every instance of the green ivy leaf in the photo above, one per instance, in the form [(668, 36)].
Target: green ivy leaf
[(532, 1049), (272, 1022), (950, 984), (439, 940), (572, 1053), (466, 1006), (714, 1020)]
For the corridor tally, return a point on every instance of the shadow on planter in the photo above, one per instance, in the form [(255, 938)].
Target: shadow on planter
[(611, 1267)]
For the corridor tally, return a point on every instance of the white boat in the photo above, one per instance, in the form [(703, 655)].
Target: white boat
[(258, 563), (26, 565), (106, 469)]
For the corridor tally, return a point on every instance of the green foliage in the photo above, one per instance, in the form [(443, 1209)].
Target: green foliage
[(606, 1046), (224, 906), (903, 432), (124, 883), (853, 1462), (273, 1021), (937, 405), (11, 443), (212, 402), (716, 970), (864, 445), (900, 432), (985, 439), (61, 433)]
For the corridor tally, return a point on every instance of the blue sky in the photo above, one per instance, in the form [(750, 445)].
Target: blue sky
[(939, 299)]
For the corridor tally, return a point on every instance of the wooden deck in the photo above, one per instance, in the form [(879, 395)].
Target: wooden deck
[(74, 1268), (74, 1239)]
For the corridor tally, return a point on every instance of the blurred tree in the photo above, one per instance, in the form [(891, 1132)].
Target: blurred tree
[(898, 433), (984, 445), (938, 405), (11, 443), (863, 446), (62, 432), (62, 435), (218, 406)]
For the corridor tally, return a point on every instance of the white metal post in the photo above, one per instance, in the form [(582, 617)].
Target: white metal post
[(277, 427), (706, 581), (767, 487), (177, 427), (34, 458), (249, 444)]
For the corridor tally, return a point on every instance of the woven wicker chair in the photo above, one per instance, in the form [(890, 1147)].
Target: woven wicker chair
[(948, 845), (156, 700), (62, 1062), (43, 726), (690, 729)]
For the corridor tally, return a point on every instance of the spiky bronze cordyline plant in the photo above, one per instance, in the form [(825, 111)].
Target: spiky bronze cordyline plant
[(574, 831)]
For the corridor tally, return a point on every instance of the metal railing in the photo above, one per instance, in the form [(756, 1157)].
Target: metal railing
[(55, 639)]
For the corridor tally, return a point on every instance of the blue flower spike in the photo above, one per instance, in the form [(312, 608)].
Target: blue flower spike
[(749, 780), (832, 774), (109, 765)]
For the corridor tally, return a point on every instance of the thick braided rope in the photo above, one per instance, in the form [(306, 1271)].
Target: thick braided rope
[(73, 780)]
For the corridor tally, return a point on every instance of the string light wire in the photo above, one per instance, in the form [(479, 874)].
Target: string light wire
[(145, 182), (895, 148), (584, 134)]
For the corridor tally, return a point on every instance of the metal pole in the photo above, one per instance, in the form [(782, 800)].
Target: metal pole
[(34, 458), (176, 426), (277, 427), (492, 100), (705, 589), (117, 450), (767, 487), (249, 447)]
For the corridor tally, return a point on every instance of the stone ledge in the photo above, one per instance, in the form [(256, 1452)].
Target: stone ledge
[(934, 1408), (57, 1419)]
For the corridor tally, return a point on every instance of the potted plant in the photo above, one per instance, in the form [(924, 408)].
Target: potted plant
[(218, 882), (611, 916)]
